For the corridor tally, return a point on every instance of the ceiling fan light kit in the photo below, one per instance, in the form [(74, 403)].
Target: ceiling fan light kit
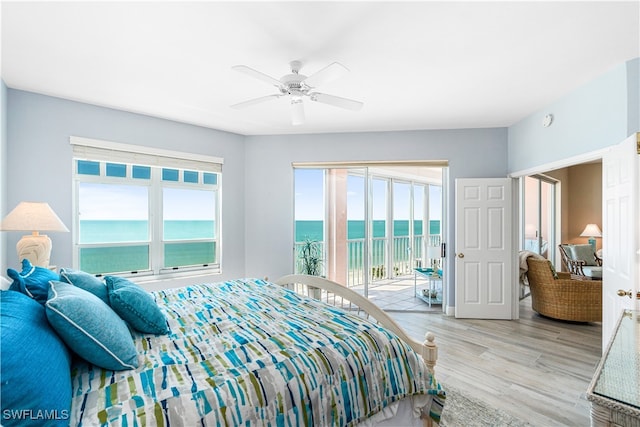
[(298, 86)]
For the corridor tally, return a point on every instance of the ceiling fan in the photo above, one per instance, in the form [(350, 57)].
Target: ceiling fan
[(297, 86)]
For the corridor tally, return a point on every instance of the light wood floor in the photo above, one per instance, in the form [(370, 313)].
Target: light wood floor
[(535, 368)]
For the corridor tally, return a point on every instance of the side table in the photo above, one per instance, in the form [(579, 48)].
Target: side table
[(614, 392), (432, 294)]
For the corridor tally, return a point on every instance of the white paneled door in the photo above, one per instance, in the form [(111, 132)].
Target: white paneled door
[(484, 249), (620, 231)]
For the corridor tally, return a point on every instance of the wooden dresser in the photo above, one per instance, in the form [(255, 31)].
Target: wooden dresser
[(614, 392)]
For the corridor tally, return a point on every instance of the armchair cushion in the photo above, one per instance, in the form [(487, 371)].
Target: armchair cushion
[(582, 252), (593, 272)]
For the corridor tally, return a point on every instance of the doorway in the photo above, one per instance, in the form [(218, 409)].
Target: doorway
[(370, 226), (563, 201), (578, 200)]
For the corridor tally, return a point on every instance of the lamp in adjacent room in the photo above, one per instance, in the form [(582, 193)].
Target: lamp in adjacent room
[(592, 231), (34, 217), (433, 253)]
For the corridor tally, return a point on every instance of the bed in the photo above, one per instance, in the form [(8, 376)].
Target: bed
[(254, 352)]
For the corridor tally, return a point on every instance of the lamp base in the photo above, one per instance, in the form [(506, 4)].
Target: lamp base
[(592, 242), (37, 249)]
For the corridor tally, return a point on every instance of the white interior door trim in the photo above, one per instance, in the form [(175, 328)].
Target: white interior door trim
[(559, 164)]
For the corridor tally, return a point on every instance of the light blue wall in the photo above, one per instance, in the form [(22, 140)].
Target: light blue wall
[(599, 114), (269, 175), (3, 172), (633, 109), (40, 161)]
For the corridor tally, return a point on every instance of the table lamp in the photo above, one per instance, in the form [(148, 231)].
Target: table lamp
[(433, 253), (34, 217), (592, 231)]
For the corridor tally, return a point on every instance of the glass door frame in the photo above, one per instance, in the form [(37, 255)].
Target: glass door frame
[(550, 211)]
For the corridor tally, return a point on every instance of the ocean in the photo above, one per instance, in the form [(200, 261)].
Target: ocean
[(135, 257), (313, 230), (115, 231), (94, 231)]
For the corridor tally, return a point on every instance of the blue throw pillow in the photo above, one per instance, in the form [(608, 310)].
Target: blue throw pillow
[(32, 281), (90, 327), (136, 306), (86, 281), (35, 375)]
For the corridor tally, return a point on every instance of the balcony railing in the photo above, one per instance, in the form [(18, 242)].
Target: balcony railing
[(402, 263)]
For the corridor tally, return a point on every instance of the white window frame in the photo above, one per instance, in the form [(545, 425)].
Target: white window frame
[(157, 159)]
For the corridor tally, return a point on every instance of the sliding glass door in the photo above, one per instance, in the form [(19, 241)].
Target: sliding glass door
[(539, 216), (359, 226)]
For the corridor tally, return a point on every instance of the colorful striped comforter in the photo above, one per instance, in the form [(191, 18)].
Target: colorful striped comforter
[(248, 352)]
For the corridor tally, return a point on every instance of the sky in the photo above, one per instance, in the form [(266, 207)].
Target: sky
[(129, 202), (309, 193)]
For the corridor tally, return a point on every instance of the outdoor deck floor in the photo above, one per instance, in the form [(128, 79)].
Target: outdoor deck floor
[(397, 294)]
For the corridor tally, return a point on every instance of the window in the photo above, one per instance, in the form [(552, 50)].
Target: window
[(145, 212)]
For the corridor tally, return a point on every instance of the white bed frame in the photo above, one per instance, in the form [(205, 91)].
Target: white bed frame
[(335, 293)]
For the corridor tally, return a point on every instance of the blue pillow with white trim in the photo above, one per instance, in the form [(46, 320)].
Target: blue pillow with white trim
[(90, 327), (32, 281), (86, 281), (136, 306)]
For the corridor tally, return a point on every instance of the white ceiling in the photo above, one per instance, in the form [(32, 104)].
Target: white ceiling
[(415, 65)]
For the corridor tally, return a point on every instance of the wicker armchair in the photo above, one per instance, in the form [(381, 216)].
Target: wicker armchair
[(563, 298)]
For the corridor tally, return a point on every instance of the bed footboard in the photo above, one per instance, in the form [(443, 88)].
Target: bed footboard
[(336, 294)]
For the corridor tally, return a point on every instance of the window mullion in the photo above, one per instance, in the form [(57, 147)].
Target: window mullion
[(156, 247)]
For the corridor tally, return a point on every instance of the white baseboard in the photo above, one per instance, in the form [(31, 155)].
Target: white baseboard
[(451, 311)]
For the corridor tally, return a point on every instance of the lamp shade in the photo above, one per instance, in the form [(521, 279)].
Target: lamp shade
[(591, 230), (34, 217), (433, 252)]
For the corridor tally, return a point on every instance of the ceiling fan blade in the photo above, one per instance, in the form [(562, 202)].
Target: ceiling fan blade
[(297, 112), (255, 101), (336, 101), (257, 74), (329, 73)]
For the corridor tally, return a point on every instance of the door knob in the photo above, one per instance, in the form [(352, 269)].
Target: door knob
[(629, 293), (461, 255)]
